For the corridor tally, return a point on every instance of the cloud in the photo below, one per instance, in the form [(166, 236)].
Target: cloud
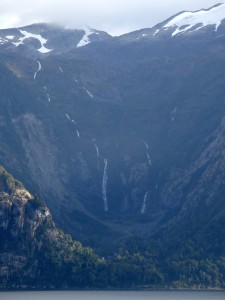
[(9, 20), (113, 16)]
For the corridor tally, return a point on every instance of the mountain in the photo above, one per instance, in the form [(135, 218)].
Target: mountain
[(33, 252), (182, 24), (124, 136), (45, 39)]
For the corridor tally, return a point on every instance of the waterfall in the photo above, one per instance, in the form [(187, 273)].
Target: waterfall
[(39, 69), (148, 155), (49, 100), (149, 159), (143, 208), (146, 145), (97, 151), (78, 133), (46, 93), (104, 185), (89, 93)]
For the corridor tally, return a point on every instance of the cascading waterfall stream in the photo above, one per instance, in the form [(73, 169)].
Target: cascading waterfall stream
[(104, 185), (47, 94), (38, 70), (143, 208), (97, 150), (148, 155), (78, 134)]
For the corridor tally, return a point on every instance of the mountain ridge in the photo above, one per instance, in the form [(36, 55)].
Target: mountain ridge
[(34, 35)]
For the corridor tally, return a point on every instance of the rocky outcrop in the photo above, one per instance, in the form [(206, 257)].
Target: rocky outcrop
[(32, 248)]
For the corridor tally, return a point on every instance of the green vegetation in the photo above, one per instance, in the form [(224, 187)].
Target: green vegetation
[(7, 182), (53, 260)]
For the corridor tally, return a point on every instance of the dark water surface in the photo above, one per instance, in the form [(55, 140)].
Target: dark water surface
[(113, 295)]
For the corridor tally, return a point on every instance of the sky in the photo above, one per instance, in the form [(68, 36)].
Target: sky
[(114, 16)]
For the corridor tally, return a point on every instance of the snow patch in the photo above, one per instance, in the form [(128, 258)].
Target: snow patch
[(27, 35), (85, 39), (198, 20), (10, 37), (2, 41), (156, 32)]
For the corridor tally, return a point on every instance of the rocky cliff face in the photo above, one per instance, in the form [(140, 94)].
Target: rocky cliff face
[(21, 218), (33, 252)]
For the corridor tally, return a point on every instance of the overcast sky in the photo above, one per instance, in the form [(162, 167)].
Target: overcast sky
[(113, 16)]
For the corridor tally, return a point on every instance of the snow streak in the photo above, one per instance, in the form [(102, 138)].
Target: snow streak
[(85, 39)]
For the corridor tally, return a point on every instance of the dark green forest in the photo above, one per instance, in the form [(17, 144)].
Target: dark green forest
[(47, 258)]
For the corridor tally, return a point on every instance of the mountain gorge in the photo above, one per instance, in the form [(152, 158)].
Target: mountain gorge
[(123, 137)]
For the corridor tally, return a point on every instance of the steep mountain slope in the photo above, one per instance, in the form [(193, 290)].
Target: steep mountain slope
[(33, 252), (123, 136)]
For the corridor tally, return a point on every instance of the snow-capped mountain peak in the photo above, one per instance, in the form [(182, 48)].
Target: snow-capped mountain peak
[(41, 39), (193, 21)]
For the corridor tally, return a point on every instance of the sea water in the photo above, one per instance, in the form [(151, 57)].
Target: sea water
[(113, 295)]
